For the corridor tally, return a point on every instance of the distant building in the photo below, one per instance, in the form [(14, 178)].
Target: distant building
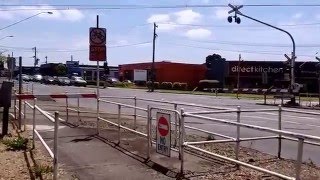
[(167, 72)]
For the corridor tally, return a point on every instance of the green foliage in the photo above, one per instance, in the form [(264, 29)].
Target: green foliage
[(166, 85), (61, 70), (122, 84), (39, 170), (156, 84), (16, 144), (180, 86)]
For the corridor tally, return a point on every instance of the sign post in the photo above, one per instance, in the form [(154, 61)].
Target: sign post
[(163, 144), (98, 48)]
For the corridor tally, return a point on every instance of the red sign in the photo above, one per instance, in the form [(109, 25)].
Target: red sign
[(163, 126), (98, 53)]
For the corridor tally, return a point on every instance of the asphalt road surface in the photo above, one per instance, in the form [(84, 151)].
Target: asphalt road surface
[(294, 122)]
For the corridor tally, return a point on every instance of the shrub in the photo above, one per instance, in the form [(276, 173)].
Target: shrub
[(122, 84), (156, 84), (183, 86), (176, 86), (16, 144), (39, 170), (166, 85)]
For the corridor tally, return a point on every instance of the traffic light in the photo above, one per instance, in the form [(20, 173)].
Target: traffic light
[(106, 68)]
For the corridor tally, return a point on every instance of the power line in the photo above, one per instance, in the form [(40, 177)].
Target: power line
[(236, 51), (133, 7), (256, 44)]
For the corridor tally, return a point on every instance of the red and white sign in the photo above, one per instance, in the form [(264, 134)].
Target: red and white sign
[(98, 50), (163, 144)]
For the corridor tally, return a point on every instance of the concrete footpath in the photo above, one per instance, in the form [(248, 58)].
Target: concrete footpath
[(87, 155)]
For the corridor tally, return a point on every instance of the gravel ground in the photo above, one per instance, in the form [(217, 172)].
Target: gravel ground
[(20, 164), (220, 169)]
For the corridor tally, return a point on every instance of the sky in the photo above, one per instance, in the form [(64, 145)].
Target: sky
[(185, 35)]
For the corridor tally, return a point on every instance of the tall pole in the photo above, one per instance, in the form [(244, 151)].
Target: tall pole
[(11, 68), (35, 56), (98, 68), (293, 54), (238, 79), (46, 59), (153, 56), (20, 91)]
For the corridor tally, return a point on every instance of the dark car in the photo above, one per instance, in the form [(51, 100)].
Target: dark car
[(48, 80), (78, 81), (62, 81)]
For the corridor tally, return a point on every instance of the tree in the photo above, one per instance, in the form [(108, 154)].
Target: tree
[(3, 59), (211, 58), (61, 70)]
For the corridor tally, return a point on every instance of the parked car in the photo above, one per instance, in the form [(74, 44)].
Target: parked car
[(25, 77), (62, 81), (112, 80), (78, 81), (47, 80), (37, 78)]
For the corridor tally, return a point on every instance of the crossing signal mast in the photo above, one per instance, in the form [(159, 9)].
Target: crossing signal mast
[(237, 13)]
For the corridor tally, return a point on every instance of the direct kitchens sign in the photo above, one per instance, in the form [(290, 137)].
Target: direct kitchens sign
[(256, 69)]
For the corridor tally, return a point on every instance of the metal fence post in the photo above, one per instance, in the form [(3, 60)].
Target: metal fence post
[(182, 134), (78, 109), (24, 115), (299, 158), (55, 146), (98, 111), (279, 128), (238, 134), (135, 114), (119, 123), (67, 109), (265, 98), (175, 125), (32, 88), (15, 105), (33, 121), (299, 100), (148, 132)]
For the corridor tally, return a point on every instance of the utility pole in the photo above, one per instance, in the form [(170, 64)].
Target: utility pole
[(71, 58), (35, 56), (11, 68), (318, 67), (238, 79), (46, 59), (153, 56)]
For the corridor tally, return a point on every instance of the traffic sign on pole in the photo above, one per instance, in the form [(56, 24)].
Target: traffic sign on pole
[(163, 144), (98, 48)]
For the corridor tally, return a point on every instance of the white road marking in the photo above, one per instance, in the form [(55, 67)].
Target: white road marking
[(44, 127)]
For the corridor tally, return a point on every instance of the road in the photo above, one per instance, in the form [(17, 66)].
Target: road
[(294, 122)]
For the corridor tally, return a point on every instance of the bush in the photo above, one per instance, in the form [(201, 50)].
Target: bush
[(183, 86), (176, 86), (122, 84), (156, 84), (16, 144), (166, 85), (40, 170)]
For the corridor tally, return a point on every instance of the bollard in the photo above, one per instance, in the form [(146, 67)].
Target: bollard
[(181, 144), (119, 123), (24, 115), (279, 128), (238, 134), (33, 121), (299, 158), (78, 109), (148, 132), (67, 109), (175, 125), (98, 124), (135, 114), (55, 146)]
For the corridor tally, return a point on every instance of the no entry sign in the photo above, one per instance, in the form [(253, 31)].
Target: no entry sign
[(163, 134)]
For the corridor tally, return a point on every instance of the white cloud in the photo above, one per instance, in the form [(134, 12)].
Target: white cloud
[(158, 18), (187, 17), (221, 13), (297, 16), (198, 33), (26, 11)]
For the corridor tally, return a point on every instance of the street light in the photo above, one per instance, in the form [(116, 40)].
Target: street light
[(5, 37), (235, 9), (25, 19)]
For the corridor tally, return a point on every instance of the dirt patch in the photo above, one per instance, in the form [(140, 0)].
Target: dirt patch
[(18, 161)]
